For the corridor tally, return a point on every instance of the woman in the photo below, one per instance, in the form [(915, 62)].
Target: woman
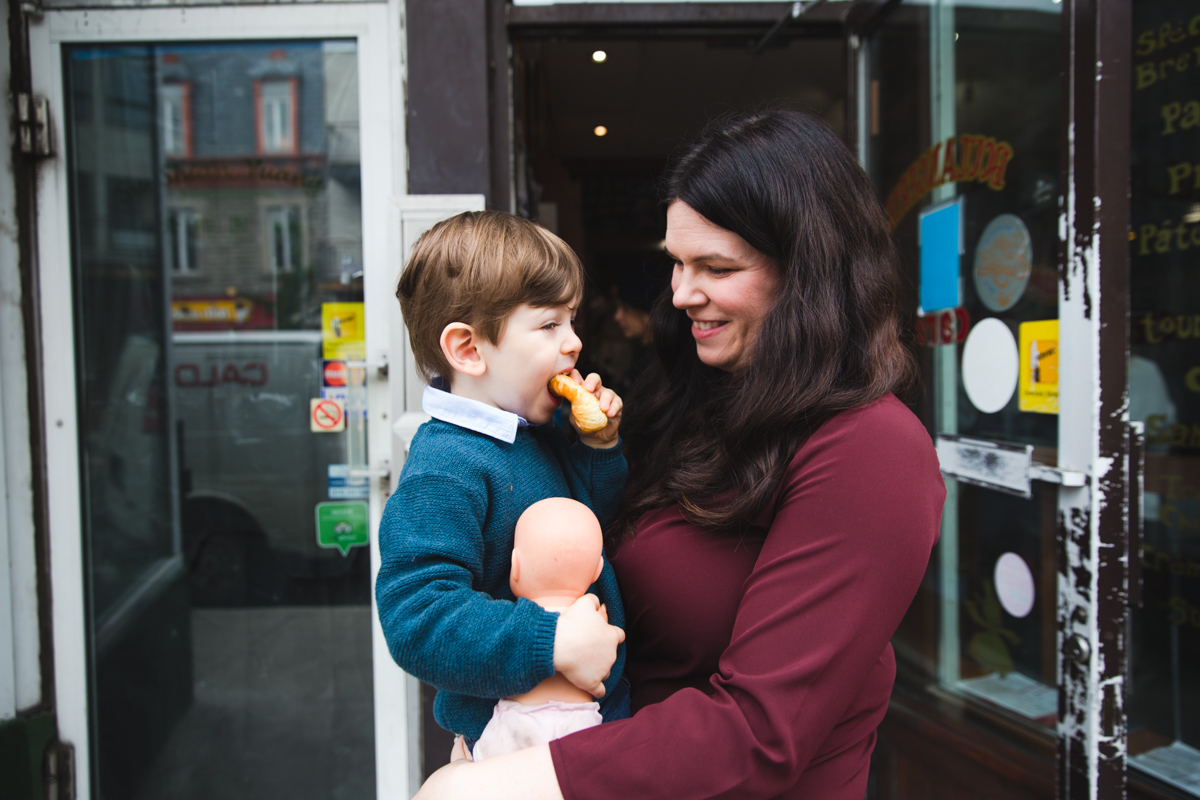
[(781, 504)]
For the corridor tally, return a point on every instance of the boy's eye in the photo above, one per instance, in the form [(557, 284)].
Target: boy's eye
[(549, 326)]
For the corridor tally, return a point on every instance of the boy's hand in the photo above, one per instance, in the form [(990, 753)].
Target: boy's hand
[(610, 404), (585, 645)]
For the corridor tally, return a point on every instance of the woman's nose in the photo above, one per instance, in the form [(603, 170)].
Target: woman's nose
[(684, 292)]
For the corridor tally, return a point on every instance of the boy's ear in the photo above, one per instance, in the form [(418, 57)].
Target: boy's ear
[(514, 574), (460, 347)]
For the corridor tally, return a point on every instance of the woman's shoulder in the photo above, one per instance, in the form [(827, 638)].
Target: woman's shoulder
[(872, 462), (880, 422), (881, 436)]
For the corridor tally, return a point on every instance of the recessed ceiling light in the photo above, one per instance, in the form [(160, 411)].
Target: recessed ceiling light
[(600, 130), (599, 56)]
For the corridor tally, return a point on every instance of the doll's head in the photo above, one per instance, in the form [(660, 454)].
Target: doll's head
[(556, 552)]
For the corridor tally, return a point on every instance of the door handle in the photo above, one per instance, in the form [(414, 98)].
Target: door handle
[(1063, 477), (1002, 466)]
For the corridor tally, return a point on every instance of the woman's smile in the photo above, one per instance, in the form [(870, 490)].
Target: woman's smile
[(723, 283)]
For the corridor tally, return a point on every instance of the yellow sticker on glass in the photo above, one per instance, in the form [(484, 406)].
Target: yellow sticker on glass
[(1037, 390), (343, 331)]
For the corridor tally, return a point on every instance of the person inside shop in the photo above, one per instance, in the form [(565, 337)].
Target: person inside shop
[(636, 293), (781, 505)]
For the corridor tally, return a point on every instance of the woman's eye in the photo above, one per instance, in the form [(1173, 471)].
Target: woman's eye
[(718, 271)]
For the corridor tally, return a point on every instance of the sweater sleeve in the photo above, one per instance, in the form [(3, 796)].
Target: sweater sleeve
[(597, 477), (437, 626), (856, 519)]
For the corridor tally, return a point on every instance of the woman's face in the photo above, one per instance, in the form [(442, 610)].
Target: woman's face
[(725, 286)]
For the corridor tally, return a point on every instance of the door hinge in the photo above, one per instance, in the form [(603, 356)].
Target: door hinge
[(58, 771), (33, 126)]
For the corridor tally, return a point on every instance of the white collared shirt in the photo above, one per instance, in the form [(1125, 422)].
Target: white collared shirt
[(470, 414)]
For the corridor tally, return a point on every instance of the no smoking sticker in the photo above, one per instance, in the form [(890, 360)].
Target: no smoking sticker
[(327, 416)]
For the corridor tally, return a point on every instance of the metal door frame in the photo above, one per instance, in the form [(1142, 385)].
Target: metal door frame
[(379, 31)]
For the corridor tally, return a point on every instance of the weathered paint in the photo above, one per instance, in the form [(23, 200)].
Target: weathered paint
[(1093, 561)]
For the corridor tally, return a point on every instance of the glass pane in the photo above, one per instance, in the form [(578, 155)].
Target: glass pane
[(975, 118), (1164, 389), (218, 296)]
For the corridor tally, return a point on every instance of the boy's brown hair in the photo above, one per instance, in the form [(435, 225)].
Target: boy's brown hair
[(475, 268)]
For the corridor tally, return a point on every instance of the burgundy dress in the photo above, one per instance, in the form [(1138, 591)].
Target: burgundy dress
[(760, 667)]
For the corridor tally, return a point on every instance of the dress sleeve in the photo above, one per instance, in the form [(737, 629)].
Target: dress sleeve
[(856, 519), (437, 626)]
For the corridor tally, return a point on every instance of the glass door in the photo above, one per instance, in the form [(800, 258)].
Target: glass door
[(213, 331), (973, 117), (976, 207)]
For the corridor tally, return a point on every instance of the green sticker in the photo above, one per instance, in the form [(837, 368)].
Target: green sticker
[(342, 525)]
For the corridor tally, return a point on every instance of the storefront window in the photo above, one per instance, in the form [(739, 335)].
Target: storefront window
[(1164, 389), (964, 141)]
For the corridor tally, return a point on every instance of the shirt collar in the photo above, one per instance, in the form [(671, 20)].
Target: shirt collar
[(473, 415)]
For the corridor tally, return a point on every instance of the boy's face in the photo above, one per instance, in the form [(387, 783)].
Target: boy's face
[(538, 341)]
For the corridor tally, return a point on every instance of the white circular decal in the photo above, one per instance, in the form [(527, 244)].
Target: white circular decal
[(1014, 584), (1003, 262), (990, 365)]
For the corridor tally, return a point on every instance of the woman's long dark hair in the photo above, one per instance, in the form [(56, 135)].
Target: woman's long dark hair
[(718, 443)]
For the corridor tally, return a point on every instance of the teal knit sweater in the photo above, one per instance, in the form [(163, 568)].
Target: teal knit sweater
[(445, 544)]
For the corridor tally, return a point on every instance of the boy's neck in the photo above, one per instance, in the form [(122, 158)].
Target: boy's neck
[(470, 388)]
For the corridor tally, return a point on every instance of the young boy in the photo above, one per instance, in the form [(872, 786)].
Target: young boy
[(489, 300)]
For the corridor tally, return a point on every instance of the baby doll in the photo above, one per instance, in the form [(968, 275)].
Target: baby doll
[(556, 557)]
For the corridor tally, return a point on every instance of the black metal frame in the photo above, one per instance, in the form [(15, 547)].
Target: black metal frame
[(25, 182), (1096, 145)]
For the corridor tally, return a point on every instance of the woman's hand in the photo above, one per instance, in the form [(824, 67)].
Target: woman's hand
[(524, 775), (585, 645), (610, 404)]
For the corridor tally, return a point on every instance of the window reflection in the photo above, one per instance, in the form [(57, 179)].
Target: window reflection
[(216, 204), (1164, 389)]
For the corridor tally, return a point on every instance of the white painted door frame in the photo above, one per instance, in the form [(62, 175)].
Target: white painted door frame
[(379, 31)]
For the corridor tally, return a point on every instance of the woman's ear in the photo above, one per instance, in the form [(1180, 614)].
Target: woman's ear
[(460, 346)]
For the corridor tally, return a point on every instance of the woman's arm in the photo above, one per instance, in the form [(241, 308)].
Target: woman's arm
[(804, 680), (524, 775), (848, 547)]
